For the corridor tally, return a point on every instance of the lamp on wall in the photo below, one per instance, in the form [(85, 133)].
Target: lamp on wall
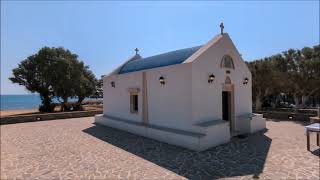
[(245, 81), (161, 80), (113, 84), (211, 78)]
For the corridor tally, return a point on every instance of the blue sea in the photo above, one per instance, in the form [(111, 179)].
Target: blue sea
[(26, 101)]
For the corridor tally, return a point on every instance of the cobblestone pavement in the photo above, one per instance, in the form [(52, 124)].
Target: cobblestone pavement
[(76, 148)]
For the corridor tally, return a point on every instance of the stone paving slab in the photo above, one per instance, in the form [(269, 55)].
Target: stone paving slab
[(78, 149)]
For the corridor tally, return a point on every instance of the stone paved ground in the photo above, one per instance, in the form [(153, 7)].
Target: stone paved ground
[(76, 148)]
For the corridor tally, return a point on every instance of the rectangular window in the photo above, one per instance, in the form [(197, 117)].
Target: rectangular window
[(134, 103)]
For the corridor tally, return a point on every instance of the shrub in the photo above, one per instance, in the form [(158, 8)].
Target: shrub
[(47, 108), (72, 106)]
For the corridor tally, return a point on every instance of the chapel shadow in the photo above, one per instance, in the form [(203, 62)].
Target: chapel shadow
[(316, 152), (240, 157)]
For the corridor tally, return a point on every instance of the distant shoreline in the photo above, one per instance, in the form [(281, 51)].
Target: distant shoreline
[(28, 101)]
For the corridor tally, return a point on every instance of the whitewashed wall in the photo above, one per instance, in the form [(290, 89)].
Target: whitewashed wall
[(170, 104), (116, 101), (207, 98)]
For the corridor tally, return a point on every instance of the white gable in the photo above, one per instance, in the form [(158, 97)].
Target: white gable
[(224, 45)]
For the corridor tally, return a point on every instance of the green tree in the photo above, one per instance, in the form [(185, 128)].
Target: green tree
[(72, 78), (99, 88), (262, 80), (303, 74), (65, 75), (87, 84), (34, 74), (310, 70), (55, 72), (295, 73)]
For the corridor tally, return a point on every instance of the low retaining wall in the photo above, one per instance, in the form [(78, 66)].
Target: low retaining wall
[(46, 116), (286, 115)]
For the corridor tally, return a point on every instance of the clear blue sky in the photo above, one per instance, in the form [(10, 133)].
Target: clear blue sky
[(104, 34)]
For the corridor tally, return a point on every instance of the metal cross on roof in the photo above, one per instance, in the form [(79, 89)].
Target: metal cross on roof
[(221, 27), (137, 50)]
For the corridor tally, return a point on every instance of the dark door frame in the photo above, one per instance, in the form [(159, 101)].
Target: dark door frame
[(231, 106), (226, 105)]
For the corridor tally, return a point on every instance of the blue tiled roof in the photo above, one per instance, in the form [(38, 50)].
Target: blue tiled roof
[(165, 59)]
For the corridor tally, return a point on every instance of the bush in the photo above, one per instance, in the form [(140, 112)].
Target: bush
[(47, 107), (72, 106), (78, 107)]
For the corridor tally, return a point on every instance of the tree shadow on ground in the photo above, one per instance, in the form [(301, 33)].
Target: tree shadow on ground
[(240, 157)]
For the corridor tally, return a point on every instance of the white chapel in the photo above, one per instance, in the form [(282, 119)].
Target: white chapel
[(196, 97)]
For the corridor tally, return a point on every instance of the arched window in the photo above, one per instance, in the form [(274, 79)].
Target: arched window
[(227, 62)]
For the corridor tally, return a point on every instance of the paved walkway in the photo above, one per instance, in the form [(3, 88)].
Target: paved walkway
[(76, 148)]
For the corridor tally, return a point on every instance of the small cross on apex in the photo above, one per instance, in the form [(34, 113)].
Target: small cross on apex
[(221, 27), (137, 50)]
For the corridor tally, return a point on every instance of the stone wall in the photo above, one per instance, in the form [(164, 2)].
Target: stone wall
[(46, 116), (287, 115)]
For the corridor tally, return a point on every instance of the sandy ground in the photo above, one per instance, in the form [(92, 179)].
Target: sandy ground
[(4, 113), (17, 111), (78, 149)]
